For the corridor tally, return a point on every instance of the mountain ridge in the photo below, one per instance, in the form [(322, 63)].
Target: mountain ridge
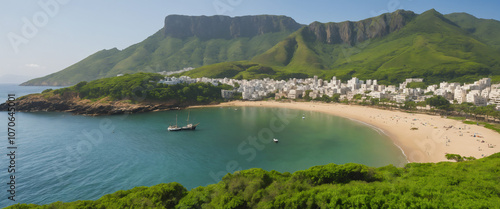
[(177, 46), (427, 45), (389, 47), (225, 27)]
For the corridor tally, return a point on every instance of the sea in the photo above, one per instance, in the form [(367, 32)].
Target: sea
[(65, 157)]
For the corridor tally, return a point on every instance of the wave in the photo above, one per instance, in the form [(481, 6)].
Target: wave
[(381, 132)]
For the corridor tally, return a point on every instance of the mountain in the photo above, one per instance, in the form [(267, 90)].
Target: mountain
[(487, 30), (456, 47), (389, 47), (184, 41)]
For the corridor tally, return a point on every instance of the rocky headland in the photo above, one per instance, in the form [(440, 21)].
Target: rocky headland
[(73, 104)]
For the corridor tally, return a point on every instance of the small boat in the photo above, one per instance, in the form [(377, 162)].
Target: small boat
[(189, 126), (303, 117), (174, 127), (275, 140)]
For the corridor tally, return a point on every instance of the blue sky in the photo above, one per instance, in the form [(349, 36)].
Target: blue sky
[(70, 30)]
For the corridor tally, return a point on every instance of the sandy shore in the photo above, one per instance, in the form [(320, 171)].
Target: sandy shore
[(423, 138)]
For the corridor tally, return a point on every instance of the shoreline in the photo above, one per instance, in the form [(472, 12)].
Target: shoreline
[(388, 135), (421, 138)]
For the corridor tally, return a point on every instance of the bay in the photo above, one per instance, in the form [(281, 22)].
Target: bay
[(63, 157)]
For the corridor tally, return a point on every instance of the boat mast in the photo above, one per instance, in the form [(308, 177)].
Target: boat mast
[(175, 120), (188, 116)]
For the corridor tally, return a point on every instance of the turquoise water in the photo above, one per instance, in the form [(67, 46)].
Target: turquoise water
[(63, 157)]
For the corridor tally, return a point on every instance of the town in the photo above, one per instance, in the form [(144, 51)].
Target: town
[(479, 93)]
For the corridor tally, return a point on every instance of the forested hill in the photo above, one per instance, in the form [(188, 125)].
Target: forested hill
[(140, 92), (468, 184), (390, 48), (184, 41)]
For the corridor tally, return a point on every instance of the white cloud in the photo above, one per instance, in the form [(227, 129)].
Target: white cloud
[(33, 65)]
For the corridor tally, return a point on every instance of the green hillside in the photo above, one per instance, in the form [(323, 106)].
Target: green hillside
[(428, 46), (467, 184), (487, 30), (141, 87), (390, 47), (156, 54), (185, 41)]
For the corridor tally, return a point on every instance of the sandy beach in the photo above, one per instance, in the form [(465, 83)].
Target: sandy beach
[(423, 138)]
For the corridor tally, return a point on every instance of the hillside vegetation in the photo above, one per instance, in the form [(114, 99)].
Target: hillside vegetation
[(467, 184), (170, 50), (390, 47), (486, 30), (143, 87), (428, 46)]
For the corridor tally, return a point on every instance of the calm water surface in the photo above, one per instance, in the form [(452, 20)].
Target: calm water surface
[(62, 157)]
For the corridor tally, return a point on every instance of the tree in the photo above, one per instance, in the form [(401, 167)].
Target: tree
[(324, 98), (439, 102), (410, 105), (80, 85), (464, 108), (490, 110), (336, 98), (307, 97), (374, 101)]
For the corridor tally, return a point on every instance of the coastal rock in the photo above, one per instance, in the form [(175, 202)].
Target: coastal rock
[(38, 103)]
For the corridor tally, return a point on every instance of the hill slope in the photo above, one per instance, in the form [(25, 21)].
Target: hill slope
[(390, 48), (487, 30), (469, 184), (184, 41)]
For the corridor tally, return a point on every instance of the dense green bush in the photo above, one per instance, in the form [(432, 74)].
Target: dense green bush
[(467, 184)]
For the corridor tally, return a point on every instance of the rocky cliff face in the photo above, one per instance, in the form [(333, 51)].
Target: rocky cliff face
[(217, 27), (354, 32), (72, 104)]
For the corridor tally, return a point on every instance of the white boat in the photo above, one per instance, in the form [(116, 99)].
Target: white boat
[(174, 127), (189, 126), (275, 140)]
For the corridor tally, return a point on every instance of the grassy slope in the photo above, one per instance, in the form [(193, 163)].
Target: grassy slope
[(430, 46), (486, 30), (470, 184), (461, 48), (158, 53)]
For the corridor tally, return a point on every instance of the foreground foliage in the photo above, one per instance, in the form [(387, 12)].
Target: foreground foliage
[(468, 184)]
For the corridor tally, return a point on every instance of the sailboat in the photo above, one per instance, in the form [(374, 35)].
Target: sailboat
[(174, 128), (189, 126)]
